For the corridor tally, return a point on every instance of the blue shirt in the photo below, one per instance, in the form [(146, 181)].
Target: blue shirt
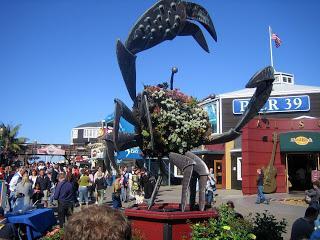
[(64, 192)]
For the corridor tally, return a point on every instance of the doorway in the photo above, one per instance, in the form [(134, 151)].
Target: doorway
[(218, 173), (299, 168)]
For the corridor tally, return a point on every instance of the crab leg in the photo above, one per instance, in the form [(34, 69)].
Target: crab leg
[(121, 110), (202, 170), (186, 165), (262, 80)]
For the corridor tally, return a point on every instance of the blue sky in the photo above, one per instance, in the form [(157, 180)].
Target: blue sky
[(58, 67)]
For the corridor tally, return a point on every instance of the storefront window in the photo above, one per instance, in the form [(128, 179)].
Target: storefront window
[(211, 109)]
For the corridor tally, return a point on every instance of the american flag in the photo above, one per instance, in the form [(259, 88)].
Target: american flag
[(276, 39)]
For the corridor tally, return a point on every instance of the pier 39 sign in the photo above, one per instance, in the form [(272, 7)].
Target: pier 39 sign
[(276, 104)]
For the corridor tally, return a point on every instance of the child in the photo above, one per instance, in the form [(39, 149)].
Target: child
[(37, 194)]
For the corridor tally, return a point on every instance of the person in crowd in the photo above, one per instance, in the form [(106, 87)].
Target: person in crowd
[(99, 171), (302, 228), (230, 205), (260, 196), (33, 177), (23, 194), (91, 188), (116, 199), (45, 185), (74, 181), (314, 195), (84, 183), (100, 184), (147, 182), (124, 184), (13, 185), (64, 194), (210, 189), (7, 230), (37, 194), (54, 182), (105, 223), (135, 188)]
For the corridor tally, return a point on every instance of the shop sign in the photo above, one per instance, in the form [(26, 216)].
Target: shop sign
[(276, 104), (300, 141), (51, 150), (132, 153)]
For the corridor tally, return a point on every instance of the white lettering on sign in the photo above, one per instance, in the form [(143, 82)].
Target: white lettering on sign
[(276, 104), (132, 151), (243, 105), (273, 105)]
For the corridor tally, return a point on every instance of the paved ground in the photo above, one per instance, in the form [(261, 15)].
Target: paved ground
[(288, 206)]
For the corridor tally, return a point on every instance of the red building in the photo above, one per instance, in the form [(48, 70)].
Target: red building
[(297, 148)]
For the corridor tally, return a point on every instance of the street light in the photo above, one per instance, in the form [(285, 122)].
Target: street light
[(1, 135), (173, 71)]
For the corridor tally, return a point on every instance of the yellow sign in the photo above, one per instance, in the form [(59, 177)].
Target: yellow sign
[(301, 140)]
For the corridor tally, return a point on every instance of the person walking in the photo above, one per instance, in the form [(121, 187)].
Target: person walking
[(100, 184), (45, 185), (260, 197), (116, 200), (17, 177), (64, 194), (23, 194), (84, 183), (210, 189)]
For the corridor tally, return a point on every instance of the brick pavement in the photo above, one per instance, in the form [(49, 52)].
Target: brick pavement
[(282, 205)]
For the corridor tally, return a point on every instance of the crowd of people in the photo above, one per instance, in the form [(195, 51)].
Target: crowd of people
[(49, 184)]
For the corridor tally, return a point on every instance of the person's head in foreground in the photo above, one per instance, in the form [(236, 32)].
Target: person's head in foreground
[(99, 223)]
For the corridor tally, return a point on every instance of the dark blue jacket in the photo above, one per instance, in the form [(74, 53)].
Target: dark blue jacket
[(64, 192)]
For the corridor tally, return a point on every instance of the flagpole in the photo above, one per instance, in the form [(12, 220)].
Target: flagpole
[(270, 42)]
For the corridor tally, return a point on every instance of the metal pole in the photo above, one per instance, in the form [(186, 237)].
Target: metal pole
[(270, 43), (173, 71), (169, 175)]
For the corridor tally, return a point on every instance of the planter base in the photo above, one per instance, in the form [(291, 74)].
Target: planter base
[(165, 221)]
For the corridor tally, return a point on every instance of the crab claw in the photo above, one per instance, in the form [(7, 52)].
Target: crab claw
[(199, 14), (127, 64)]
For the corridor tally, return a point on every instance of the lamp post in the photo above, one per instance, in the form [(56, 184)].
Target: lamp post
[(1, 136), (174, 70)]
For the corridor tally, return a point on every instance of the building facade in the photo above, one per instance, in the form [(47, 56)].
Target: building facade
[(288, 101)]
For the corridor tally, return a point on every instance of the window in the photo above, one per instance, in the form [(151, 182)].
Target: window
[(90, 133), (289, 80), (74, 133), (284, 79)]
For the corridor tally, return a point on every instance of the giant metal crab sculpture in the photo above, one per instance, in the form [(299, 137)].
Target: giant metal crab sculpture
[(165, 20)]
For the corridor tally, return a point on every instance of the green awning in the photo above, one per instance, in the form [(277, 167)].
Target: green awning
[(300, 141)]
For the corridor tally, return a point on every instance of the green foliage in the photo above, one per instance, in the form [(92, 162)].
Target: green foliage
[(10, 143), (179, 124), (266, 226), (226, 227)]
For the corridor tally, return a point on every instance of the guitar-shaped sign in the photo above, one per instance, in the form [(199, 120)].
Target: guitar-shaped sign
[(270, 172)]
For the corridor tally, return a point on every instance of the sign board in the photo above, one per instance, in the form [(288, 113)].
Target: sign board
[(300, 141), (51, 150), (132, 153), (276, 104)]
